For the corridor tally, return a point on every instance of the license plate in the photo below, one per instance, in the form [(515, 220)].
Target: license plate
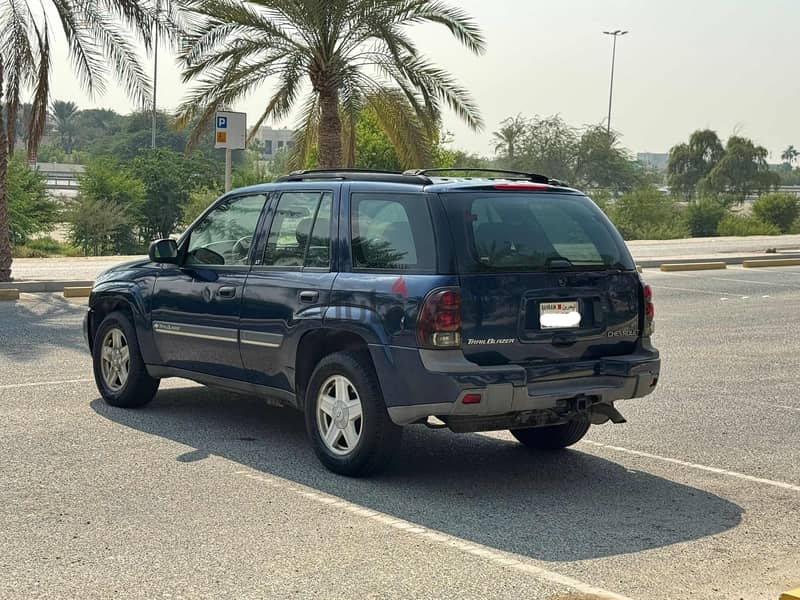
[(559, 315)]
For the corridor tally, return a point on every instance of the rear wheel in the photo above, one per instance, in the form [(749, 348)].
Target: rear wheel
[(119, 369), (553, 437), (346, 418)]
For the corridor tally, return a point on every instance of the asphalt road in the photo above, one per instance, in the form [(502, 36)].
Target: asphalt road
[(32, 269), (205, 494)]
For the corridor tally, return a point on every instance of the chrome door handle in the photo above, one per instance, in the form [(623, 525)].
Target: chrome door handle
[(309, 296), (226, 291)]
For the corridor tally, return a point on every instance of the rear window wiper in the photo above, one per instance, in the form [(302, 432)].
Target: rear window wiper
[(558, 263)]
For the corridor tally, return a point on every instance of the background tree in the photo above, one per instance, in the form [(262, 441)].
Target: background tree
[(169, 177), (741, 170), (790, 155), (690, 163), (507, 138), (30, 209), (548, 146), (101, 39), (602, 163), (64, 121), (348, 52)]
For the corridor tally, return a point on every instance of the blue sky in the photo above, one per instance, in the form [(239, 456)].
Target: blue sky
[(731, 65)]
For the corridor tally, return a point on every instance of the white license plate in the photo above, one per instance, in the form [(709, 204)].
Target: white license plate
[(559, 315)]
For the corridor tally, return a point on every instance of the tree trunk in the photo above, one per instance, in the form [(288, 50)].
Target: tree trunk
[(5, 237), (330, 129)]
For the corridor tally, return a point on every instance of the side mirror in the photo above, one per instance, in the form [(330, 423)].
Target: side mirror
[(164, 251)]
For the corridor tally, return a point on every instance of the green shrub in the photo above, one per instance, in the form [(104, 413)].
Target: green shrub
[(44, 247), (703, 217), (27, 252), (647, 214), (741, 225), (780, 210)]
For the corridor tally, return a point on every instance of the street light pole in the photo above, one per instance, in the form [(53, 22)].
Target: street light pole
[(155, 74), (616, 33)]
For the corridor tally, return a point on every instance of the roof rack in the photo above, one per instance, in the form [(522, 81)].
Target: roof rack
[(355, 175), (534, 177)]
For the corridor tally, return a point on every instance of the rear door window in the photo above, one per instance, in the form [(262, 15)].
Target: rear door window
[(527, 231), (392, 232), (300, 232)]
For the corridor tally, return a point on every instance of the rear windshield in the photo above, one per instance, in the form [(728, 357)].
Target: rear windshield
[(504, 231)]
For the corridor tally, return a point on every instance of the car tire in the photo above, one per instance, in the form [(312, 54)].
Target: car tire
[(346, 418), (119, 369), (553, 437)]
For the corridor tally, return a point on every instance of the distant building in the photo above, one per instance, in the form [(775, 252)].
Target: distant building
[(274, 140), (61, 179), (654, 160)]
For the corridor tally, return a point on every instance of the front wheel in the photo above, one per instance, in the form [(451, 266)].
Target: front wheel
[(553, 437), (119, 369), (346, 418)]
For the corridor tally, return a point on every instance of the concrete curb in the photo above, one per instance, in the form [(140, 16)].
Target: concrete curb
[(30, 287), (697, 266), (77, 292), (736, 259), (771, 262)]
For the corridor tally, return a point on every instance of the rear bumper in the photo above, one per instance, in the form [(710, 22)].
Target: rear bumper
[(436, 386)]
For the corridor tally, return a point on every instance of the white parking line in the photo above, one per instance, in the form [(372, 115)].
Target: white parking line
[(735, 280), (683, 463), (658, 286), (503, 559), (12, 386)]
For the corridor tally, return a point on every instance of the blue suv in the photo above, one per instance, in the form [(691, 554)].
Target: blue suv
[(371, 301)]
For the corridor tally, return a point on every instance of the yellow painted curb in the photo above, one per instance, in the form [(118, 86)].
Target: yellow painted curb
[(77, 292), (9, 294), (699, 266), (772, 262), (791, 595), (638, 268)]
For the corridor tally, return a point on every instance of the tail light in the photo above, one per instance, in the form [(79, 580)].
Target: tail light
[(649, 311), (439, 320)]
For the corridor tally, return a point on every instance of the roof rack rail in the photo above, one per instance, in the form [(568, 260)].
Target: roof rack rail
[(534, 177), (344, 174)]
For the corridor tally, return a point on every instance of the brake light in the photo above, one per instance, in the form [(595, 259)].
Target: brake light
[(525, 187), (439, 320), (649, 311)]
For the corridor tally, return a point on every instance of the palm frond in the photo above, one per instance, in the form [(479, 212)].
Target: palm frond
[(38, 120)]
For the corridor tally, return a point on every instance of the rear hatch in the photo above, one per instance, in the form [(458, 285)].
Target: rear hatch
[(544, 277)]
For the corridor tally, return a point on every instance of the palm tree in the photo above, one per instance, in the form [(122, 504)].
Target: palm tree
[(101, 39), (341, 54), (63, 115), (790, 155), (508, 136)]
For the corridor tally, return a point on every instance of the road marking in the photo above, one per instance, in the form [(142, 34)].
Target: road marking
[(658, 286), (503, 559), (733, 280), (683, 463), (12, 386)]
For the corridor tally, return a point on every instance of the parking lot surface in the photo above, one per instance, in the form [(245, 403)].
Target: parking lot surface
[(206, 494)]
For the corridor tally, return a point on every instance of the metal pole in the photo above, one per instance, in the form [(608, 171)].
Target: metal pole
[(615, 35), (228, 170), (155, 74), (610, 88)]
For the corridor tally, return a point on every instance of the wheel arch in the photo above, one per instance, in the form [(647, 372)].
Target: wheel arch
[(319, 343)]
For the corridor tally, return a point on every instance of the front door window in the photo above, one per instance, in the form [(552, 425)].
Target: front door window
[(224, 236)]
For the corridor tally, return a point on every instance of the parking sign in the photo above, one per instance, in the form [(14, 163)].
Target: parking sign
[(230, 130)]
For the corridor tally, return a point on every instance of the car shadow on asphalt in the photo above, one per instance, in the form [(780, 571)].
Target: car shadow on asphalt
[(564, 506)]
